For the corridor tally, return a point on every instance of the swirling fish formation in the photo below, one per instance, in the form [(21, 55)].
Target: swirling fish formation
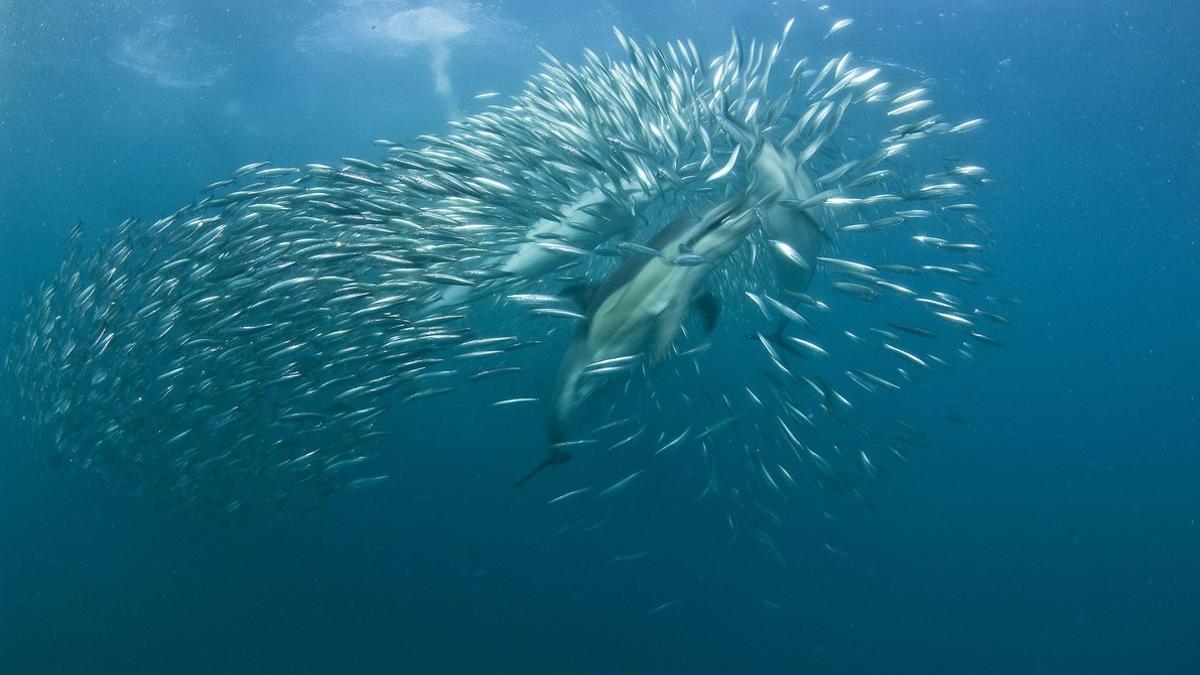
[(239, 352)]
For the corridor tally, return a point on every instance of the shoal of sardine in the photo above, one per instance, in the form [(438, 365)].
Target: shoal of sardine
[(244, 348)]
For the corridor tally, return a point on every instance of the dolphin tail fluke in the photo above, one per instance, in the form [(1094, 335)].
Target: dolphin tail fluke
[(777, 337), (555, 457), (558, 434), (780, 340)]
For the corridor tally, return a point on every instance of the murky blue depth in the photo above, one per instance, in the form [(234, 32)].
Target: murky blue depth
[(1050, 525)]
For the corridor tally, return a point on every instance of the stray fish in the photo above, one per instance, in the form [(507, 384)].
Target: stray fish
[(515, 401), (568, 495), (619, 485), (838, 25)]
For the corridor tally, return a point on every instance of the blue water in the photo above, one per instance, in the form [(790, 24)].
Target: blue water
[(1058, 533)]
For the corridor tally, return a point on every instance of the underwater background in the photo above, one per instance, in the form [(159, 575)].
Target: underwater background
[(1057, 530)]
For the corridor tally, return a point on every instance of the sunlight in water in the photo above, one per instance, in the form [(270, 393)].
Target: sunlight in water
[(163, 52), (436, 28)]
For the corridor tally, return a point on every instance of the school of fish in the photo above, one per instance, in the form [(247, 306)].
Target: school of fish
[(239, 353)]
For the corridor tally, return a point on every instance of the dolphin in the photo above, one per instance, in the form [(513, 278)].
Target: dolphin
[(641, 306), (776, 171), (593, 218)]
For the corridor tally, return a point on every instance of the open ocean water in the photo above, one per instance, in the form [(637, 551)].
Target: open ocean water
[(1048, 522)]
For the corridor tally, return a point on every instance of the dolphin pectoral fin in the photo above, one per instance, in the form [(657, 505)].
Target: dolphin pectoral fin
[(665, 329), (555, 457), (710, 310)]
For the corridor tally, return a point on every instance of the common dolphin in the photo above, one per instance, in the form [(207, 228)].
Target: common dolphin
[(793, 230), (593, 218), (643, 304)]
